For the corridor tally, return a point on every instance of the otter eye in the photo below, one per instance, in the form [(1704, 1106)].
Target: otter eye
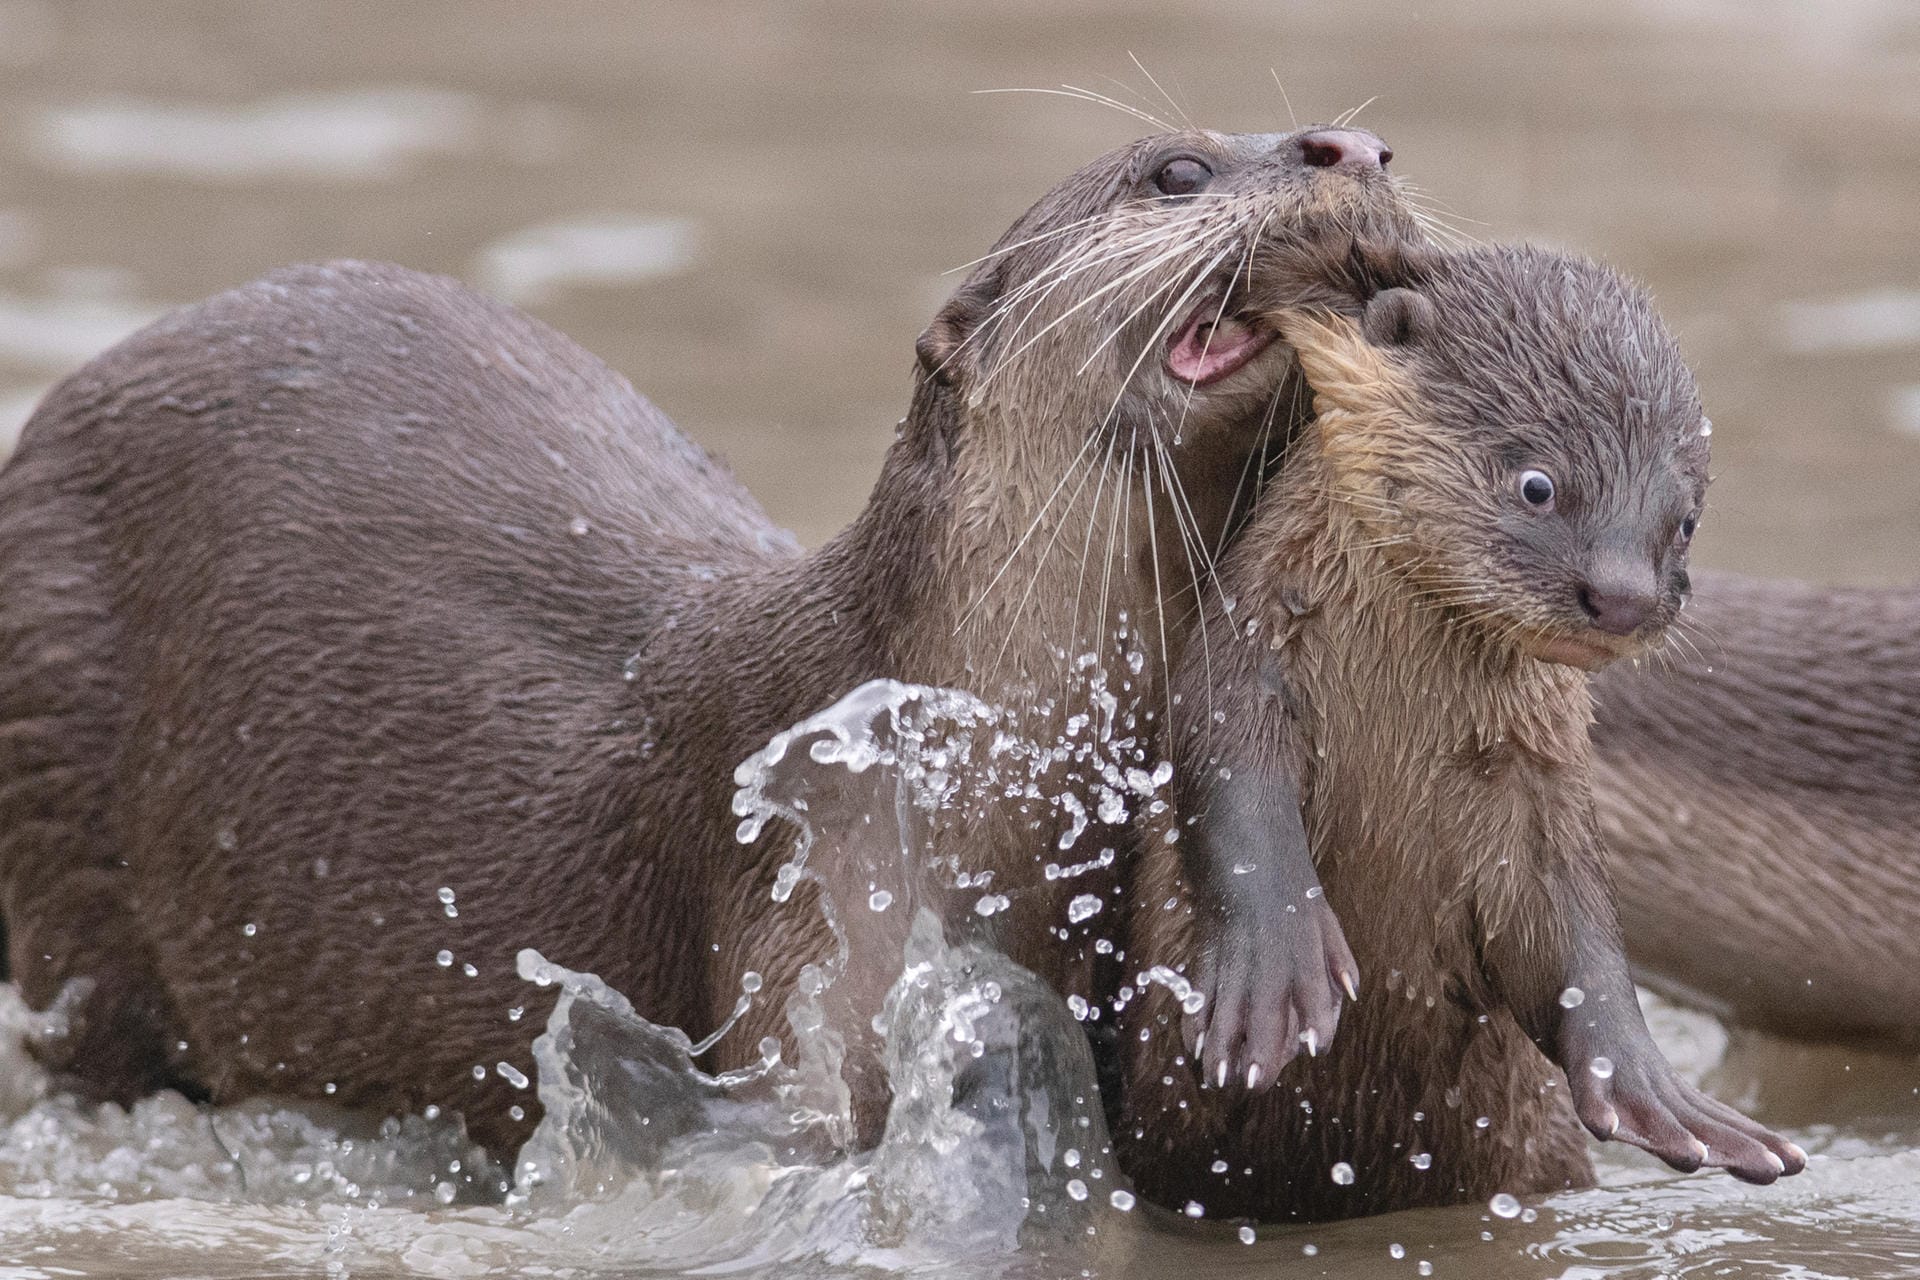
[(1687, 527), (1536, 489), (1182, 177)]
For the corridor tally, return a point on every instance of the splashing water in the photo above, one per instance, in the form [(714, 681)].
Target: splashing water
[(994, 1160)]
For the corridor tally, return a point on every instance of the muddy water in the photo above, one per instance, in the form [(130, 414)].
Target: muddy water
[(749, 209)]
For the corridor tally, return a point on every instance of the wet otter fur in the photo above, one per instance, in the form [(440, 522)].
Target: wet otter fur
[(1501, 482), (351, 586), (1759, 790)]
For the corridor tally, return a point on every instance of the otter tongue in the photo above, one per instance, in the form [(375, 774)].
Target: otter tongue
[(1210, 346)]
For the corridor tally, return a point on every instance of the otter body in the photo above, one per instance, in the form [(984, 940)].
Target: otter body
[(351, 586), (1759, 790), (298, 634), (1445, 525)]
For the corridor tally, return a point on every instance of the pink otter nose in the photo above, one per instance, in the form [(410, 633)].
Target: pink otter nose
[(1353, 150)]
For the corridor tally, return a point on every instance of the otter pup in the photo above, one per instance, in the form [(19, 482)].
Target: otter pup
[(357, 631), (1497, 494)]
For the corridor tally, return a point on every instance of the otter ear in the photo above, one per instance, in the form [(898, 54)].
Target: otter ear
[(1397, 317), (946, 348)]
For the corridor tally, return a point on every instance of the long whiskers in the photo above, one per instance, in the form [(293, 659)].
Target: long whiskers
[(1088, 95)]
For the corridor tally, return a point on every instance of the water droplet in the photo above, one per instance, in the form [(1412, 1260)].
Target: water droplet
[(1343, 1174), (516, 1013), (990, 904), (1424, 1160), (630, 671), (579, 528), (1310, 1249), (879, 900), (444, 1193), (249, 928), (469, 970), (511, 1074), (1077, 1006), (1602, 1068), (1504, 1206), (1076, 1189), (517, 1111), (1396, 1250), (1219, 1166), (750, 982), (1195, 1209), (226, 839), (444, 959), (1121, 1200), (1425, 1268), (479, 1072), (1246, 1235), (445, 895), (1083, 907), (1572, 998), (1481, 1122)]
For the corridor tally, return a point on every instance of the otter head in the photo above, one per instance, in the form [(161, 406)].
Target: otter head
[(1116, 307), (1516, 432)]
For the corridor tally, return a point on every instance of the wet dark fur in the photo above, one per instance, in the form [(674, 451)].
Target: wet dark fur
[(1759, 788), (316, 597), (1389, 593)]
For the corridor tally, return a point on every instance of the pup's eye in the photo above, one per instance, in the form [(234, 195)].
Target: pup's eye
[(1687, 527), (1536, 489), (1182, 177)]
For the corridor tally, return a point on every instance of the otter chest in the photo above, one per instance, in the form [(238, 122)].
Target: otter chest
[(1429, 760)]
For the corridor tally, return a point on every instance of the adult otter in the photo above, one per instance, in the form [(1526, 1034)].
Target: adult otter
[(1499, 489), (1759, 789), (350, 600)]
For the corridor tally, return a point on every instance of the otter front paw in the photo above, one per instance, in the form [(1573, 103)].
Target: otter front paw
[(1273, 989), (1638, 1099)]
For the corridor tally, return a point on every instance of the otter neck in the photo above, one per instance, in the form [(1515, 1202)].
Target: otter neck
[(1032, 545), (1395, 649)]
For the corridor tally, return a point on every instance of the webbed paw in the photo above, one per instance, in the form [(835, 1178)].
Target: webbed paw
[(1273, 990)]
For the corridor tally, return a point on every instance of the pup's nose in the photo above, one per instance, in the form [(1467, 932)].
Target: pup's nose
[(1354, 150), (1617, 608)]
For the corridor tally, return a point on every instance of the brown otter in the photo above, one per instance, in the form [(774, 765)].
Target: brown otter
[(357, 631), (1759, 790), (1499, 488)]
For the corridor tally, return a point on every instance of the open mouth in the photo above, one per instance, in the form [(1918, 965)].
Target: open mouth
[(1213, 344)]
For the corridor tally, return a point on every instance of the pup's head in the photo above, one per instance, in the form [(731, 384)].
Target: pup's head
[(1516, 432)]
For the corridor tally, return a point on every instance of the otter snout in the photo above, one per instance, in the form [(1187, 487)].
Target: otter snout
[(1352, 150), (1617, 607)]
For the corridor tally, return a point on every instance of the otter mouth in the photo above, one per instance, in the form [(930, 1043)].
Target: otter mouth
[(1569, 649), (1213, 343)]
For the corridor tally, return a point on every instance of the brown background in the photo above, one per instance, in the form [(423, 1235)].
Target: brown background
[(814, 168)]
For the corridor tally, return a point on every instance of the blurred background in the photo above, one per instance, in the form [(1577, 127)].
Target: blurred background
[(750, 208)]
